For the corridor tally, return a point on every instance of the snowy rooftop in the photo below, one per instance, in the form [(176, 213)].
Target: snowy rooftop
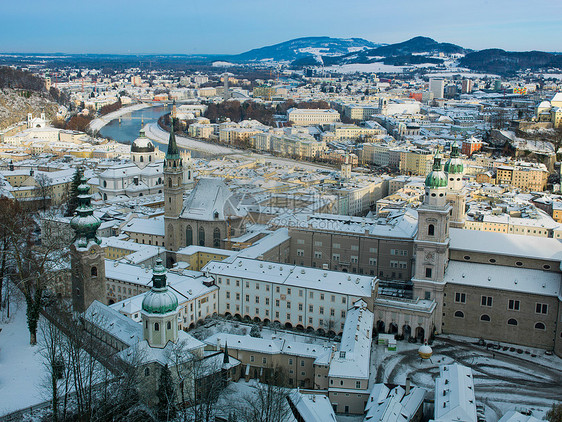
[(292, 275), (211, 200), (513, 416), (353, 359), (320, 353), (506, 244), (501, 277), (454, 394), (151, 226), (143, 352), (116, 324), (313, 407), (398, 223)]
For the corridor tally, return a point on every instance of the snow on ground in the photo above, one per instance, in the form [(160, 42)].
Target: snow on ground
[(503, 380), (219, 325), (156, 134), (21, 365), (96, 124), (366, 67)]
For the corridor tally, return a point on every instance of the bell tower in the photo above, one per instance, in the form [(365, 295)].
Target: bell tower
[(173, 189), (86, 256), (159, 311), (455, 196), (432, 241)]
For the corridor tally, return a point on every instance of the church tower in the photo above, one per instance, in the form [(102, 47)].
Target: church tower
[(159, 311), (173, 188), (86, 256), (432, 240), (455, 169)]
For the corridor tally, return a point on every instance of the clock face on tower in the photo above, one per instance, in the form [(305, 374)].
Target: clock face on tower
[(92, 251), (430, 256)]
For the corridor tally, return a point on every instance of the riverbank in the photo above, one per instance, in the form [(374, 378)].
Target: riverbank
[(96, 124), (157, 134)]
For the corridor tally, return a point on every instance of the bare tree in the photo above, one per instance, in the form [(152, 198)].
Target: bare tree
[(56, 368), (44, 190), (268, 402)]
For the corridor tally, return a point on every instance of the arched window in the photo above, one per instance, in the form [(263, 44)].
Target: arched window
[(459, 314), (169, 182), (431, 230), (105, 183), (169, 325), (201, 236), (216, 238), (156, 326), (141, 159), (146, 372), (146, 326), (105, 196), (540, 326), (485, 317), (188, 236), (511, 321), (94, 271), (150, 158)]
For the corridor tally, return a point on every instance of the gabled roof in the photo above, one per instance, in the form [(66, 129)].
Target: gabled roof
[(211, 200)]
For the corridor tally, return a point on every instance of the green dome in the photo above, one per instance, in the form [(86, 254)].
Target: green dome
[(85, 223), (159, 300), (454, 164), (437, 178)]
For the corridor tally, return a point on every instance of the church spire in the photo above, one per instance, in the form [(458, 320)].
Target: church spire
[(85, 223), (173, 152)]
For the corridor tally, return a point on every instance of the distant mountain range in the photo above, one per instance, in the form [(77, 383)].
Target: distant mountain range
[(315, 51), (501, 61), (308, 47)]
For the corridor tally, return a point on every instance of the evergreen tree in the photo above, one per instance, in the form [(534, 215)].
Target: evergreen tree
[(255, 331), (166, 396), (72, 201)]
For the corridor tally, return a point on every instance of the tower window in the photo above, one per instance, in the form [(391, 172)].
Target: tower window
[(169, 182), (216, 238), (156, 326), (146, 372), (94, 272), (428, 272), (169, 325), (201, 236), (431, 230), (188, 236), (141, 159)]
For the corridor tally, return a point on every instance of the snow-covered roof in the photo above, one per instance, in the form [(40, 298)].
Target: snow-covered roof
[(454, 394), (211, 200), (292, 275), (312, 407), (151, 226), (506, 244), (321, 354), (501, 277), (353, 359), (513, 416), (113, 322), (146, 354), (397, 223)]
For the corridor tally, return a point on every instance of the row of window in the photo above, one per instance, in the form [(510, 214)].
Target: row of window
[(512, 304), (277, 290), (510, 321)]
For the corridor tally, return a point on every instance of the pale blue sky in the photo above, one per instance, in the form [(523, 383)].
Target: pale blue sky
[(234, 26)]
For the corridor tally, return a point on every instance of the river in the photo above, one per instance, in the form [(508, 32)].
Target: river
[(127, 130)]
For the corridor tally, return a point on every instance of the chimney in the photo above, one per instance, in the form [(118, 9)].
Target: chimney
[(407, 385)]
